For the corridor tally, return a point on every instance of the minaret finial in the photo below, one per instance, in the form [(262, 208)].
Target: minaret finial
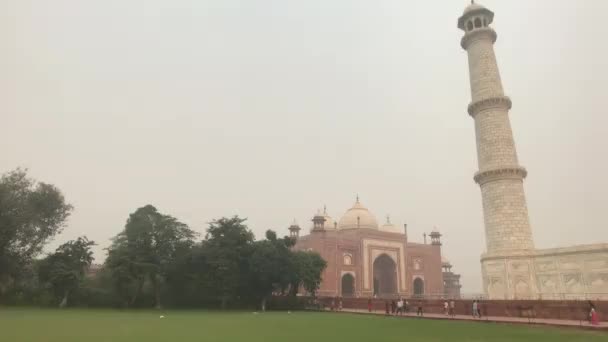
[(388, 219), (357, 198), (324, 209)]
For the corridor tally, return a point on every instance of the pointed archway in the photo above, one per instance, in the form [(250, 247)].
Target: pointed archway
[(418, 287), (348, 285), (385, 276)]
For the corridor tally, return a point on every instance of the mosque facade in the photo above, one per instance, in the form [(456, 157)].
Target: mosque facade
[(512, 268), (365, 259)]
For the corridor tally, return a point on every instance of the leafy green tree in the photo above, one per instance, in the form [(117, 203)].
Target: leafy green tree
[(65, 269), (188, 280), (31, 213), (145, 250), (226, 248), (126, 277), (307, 271), (270, 266)]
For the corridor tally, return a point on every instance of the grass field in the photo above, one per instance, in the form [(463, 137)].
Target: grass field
[(18, 325)]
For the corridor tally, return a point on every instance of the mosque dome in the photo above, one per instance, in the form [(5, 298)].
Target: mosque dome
[(358, 217), (390, 227)]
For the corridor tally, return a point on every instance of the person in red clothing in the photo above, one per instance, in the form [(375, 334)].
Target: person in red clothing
[(593, 317), (369, 305)]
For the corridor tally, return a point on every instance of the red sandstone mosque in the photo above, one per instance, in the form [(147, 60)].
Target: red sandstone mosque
[(365, 259)]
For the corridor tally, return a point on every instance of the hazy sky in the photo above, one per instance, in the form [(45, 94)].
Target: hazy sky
[(270, 109)]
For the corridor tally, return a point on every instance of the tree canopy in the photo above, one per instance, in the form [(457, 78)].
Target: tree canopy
[(145, 250), (64, 270), (31, 213), (154, 256)]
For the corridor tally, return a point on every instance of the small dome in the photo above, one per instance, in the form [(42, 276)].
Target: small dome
[(329, 222), (390, 227), (445, 261), (294, 225), (473, 7), (358, 217)]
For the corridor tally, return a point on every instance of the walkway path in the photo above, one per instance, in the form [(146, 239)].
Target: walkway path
[(493, 319)]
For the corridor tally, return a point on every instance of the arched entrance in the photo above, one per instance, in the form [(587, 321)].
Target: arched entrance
[(385, 276), (418, 287), (348, 285)]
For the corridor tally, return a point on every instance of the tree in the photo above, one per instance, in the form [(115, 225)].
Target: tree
[(126, 277), (65, 269), (270, 266), (145, 249), (308, 269), (31, 213), (225, 249), (266, 267)]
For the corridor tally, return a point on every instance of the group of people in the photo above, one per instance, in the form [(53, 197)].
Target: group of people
[(398, 307), (449, 309), (476, 309), (402, 306), (338, 301)]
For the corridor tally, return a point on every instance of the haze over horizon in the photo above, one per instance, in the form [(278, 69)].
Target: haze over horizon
[(271, 109)]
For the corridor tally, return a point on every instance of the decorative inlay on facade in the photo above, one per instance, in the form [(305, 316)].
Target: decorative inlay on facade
[(486, 176), (502, 102)]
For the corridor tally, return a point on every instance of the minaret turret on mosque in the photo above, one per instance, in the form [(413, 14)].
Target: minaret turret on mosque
[(294, 230), (500, 176), (435, 237), (318, 222)]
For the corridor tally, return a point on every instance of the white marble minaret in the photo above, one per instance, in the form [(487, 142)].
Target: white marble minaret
[(507, 264)]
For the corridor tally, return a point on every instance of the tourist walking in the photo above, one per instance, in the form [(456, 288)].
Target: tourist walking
[(591, 309), (420, 312), (446, 308), (407, 307), (593, 318), (340, 304), (475, 309), (387, 306), (400, 306), (452, 308), (369, 305)]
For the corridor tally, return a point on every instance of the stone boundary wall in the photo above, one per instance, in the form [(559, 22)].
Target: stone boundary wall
[(552, 309)]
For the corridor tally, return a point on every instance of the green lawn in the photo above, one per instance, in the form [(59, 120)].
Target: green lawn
[(18, 325)]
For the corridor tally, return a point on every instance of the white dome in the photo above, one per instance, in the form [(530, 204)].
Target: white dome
[(329, 222), (390, 227), (358, 217)]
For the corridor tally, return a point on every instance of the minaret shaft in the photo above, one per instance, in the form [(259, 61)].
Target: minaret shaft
[(500, 177), (508, 266)]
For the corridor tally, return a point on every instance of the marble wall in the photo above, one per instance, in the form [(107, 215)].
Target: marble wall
[(576, 272)]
